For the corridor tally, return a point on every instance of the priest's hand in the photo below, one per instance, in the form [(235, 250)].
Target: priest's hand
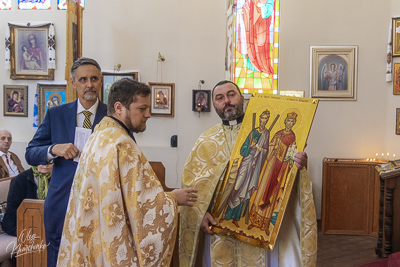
[(208, 220), (186, 197), (300, 159), (68, 151)]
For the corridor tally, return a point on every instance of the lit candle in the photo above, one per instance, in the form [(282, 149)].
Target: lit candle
[(382, 156), (394, 156), (376, 155), (387, 156)]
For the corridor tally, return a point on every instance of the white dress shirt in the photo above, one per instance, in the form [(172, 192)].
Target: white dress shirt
[(80, 117)]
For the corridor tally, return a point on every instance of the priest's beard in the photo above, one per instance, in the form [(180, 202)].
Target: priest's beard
[(231, 114), (134, 129)]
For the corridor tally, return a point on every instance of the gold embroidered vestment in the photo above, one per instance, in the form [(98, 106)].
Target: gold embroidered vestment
[(118, 213)]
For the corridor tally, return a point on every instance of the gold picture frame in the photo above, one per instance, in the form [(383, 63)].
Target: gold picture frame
[(73, 42), (333, 72), (50, 95), (397, 121), (396, 37), (162, 99), (29, 55), (255, 191), (15, 100), (396, 79)]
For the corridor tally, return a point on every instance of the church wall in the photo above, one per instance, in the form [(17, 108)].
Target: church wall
[(21, 127), (342, 129), (191, 37)]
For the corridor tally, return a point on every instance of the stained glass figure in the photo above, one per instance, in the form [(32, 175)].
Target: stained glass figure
[(62, 4), (5, 5), (256, 45), (34, 4)]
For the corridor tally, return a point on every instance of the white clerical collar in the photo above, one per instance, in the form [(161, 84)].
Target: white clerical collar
[(92, 109), (233, 122)]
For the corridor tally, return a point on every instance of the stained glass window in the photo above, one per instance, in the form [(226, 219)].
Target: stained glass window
[(62, 4), (34, 4), (256, 45), (5, 4)]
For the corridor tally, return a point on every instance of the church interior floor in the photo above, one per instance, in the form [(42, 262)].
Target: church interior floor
[(345, 250)]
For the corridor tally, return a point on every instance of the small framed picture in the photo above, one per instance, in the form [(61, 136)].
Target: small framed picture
[(29, 52), (50, 95), (110, 77), (201, 100), (398, 121), (333, 72), (15, 100), (396, 36), (396, 79), (162, 99)]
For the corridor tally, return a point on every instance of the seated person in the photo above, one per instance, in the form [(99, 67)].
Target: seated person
[(32, 183), (10, 165)]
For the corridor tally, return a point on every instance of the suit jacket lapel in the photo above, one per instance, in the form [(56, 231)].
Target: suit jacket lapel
[(100, 113), (4, 166), (71, 119), (17, 162)]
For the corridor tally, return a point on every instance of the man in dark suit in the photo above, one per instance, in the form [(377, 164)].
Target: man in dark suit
[(24, 185), (54, 142), (10, 165)]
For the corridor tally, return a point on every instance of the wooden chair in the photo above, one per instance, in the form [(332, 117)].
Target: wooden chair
[(30, 231)]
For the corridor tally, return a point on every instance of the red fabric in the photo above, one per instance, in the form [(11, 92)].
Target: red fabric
[(379, 263), (394, 259), (279, 167), (257, 35)]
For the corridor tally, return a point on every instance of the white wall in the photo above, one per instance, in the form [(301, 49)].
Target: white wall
[(191, 36), (21, 127)]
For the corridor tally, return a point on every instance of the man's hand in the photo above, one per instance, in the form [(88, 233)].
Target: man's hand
[(186, 197), (208, 220), (68, 151), (300, 159)]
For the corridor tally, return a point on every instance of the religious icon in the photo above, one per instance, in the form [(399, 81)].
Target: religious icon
[(162, 99), (31, 50), (333, 72), (257, 185), (396, 79), (201, 100), (398, 121), (110, 77), (15, 100), (49, 96)]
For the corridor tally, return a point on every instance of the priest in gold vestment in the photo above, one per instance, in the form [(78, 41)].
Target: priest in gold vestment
[(118, 213), (205, 169)]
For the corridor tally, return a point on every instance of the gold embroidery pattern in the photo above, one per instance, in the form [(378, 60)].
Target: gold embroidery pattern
[(118, 213), (308, 232), (203, 172)]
